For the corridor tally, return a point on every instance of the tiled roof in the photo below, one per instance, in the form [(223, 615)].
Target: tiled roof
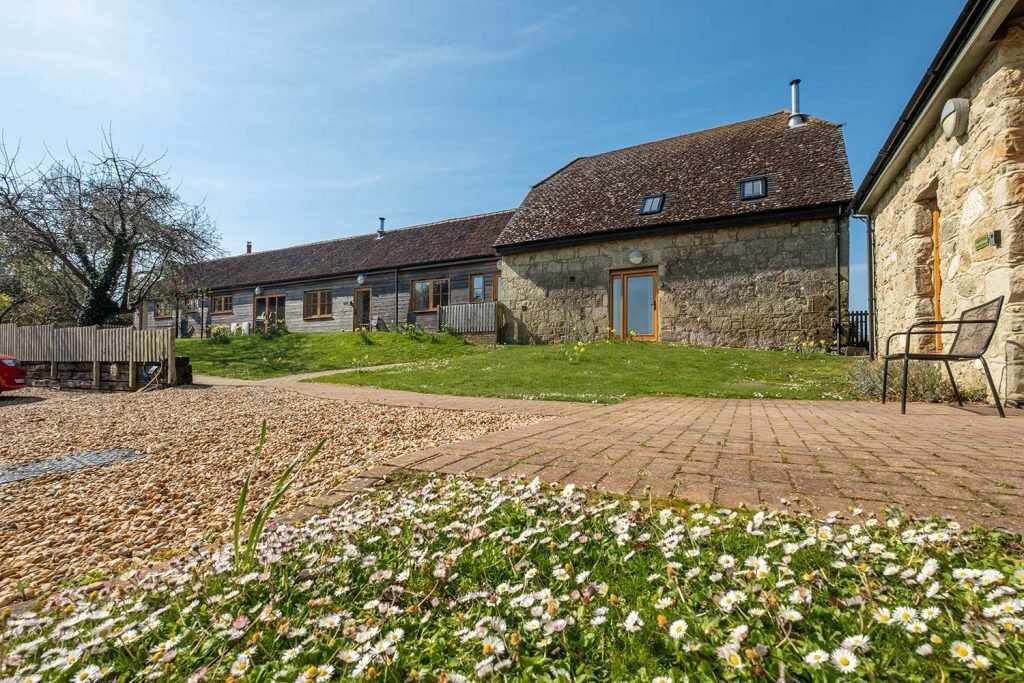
[(699, 173), (450, 240)]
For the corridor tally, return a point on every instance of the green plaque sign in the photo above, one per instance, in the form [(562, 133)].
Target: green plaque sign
[(981, 242)]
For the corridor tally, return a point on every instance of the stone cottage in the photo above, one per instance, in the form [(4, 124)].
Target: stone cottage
[(944, 198), (733, 236)]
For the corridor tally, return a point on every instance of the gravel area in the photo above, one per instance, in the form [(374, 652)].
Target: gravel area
[(199, 445)]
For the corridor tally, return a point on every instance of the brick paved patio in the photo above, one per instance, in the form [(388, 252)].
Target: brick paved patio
[(937, 459)]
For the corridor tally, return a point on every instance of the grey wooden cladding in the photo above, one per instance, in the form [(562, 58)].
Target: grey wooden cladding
[(46, 343), (469, 318)]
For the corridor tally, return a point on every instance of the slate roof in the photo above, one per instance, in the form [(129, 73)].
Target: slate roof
[(699, 172), (449, 240)]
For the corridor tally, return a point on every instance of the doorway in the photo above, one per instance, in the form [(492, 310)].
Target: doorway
[(361, 306), (268, 312), (633, 304)]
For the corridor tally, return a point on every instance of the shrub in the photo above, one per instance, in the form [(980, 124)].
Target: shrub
[(274, 332), (220, 334), (926, 382)]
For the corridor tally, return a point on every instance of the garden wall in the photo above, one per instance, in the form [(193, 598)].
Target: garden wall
[(113, 376)]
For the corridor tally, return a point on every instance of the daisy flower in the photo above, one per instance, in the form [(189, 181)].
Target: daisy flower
[(633, 622), (677, 629), (961, 651), (844, 660), (816, 657)]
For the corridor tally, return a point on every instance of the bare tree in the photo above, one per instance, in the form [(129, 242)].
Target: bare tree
[(108, 229)]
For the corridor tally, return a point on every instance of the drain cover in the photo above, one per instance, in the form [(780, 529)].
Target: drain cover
[(66, 463)]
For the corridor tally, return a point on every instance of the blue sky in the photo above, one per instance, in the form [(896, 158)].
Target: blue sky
[(303, 121)]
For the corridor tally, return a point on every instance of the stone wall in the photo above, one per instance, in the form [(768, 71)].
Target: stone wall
[(752, 286), (113, 376), (977, 182)]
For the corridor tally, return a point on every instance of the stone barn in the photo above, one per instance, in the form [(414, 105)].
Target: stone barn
[(733, 236)]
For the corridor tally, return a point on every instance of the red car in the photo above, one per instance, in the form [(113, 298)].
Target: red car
[(12, 374)]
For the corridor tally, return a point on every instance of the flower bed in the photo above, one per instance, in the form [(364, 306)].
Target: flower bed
[(456, 579)]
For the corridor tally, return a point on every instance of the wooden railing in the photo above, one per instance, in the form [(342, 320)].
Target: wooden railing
[(469, 318), (49, 344)]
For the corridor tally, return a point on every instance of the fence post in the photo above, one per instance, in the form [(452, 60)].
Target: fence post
[(172, 365), (95, 356), (53, 354), (133, 371)]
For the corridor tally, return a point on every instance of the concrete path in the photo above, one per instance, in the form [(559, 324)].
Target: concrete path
[(937, 459), (391, 397)]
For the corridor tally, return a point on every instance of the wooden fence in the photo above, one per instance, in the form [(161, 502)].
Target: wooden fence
[(469, 318), (49, 344)]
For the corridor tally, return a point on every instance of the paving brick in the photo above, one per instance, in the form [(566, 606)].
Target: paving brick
[(937, 459)]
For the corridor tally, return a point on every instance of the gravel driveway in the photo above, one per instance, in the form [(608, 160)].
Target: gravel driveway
[(199, 444)]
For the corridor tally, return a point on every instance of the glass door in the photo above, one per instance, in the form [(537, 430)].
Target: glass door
[(633, 304), (361, 304), (268, 312)]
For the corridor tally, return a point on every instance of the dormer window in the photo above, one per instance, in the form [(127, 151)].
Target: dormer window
[(653, 204), (754, 188)]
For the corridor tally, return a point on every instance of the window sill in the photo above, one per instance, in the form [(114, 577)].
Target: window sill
[(425, 310), (318, 317), (221, 312), (163, 317)]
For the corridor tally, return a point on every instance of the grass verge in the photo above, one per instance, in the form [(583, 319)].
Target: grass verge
[(256, 357), (458, 579), (611, 371)]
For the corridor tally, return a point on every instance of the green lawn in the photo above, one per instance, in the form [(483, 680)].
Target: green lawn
[(255, 357), (611, 371)]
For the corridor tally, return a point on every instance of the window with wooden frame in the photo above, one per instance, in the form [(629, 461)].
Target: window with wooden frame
[(162, 309), (427, 295), (477, 289), (192, 305), (317, 304), (496, 285), (221, 303)]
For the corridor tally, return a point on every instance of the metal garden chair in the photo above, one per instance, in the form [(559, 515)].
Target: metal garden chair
[(973, 333)]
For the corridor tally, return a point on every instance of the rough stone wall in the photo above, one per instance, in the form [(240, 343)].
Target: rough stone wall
[(113, 376), (977, 181), (752, 286)]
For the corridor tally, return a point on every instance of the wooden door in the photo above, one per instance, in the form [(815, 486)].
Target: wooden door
[(633, 304), (268, 312), (361, 308)]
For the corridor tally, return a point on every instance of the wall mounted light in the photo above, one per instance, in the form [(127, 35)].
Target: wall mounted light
[(635, 257), (258, 290), (954, 117), (497, 264), (360, 279)]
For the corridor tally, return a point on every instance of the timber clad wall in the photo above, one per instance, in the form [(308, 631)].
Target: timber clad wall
[(382, 299), (977, 183), (749, 286)]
